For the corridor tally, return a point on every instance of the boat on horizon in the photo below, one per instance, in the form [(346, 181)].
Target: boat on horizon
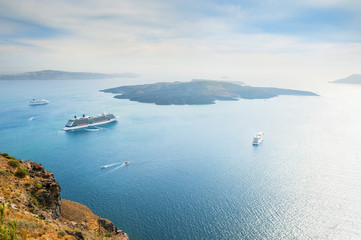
[(258, 139), (38, 102), (89, 121)]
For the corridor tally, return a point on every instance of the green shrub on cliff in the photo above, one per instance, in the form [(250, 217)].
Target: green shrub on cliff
[(7, 231), (2, 214), (61, 234), (14, 163), (7, 156), (38, 186), (108, 235), (21, 172)]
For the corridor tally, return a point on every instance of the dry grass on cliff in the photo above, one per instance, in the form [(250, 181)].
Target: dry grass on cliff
[(79, 215), (76, 212), (14, 192), (18, 195)]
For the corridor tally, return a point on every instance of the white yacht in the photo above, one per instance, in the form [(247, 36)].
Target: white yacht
[(89, 121), (38, 102), (258, 138)]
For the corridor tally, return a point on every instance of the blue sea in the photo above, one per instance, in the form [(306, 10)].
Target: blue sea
[(193, 172)]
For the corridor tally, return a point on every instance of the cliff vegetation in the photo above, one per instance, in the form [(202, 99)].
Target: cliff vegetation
[(31, 207)]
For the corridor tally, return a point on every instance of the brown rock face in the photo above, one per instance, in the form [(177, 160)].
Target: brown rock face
[(33, 200), (80, 215), (107, 225), (37, 170), (49, 194), (77, 235)]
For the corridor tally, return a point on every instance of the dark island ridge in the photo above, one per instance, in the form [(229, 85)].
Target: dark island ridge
[(198, 92)]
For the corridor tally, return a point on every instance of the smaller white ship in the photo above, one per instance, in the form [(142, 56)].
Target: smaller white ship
[(258, 138), (38, 102)]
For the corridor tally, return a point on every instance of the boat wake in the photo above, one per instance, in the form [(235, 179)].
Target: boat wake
[(118, 165), (94, 129), (111, 165), (121, 165)]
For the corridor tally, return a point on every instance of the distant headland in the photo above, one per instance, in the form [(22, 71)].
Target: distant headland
[(62, 75), (353, 79), (197, 92)]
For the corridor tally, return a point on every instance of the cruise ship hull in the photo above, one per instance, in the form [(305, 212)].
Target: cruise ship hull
[(38, 102), (33, 104), (89, 125), (257, 142)]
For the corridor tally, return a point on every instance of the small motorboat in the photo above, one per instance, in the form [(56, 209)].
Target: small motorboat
[(127, 162)]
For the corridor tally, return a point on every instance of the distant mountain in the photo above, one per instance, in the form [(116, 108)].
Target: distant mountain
[(61, 75), (353, 79), (197, 92)]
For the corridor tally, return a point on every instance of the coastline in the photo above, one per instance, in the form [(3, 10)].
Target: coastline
[(31, 199)]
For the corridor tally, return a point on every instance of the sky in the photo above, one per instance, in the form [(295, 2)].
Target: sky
[(269, 41)]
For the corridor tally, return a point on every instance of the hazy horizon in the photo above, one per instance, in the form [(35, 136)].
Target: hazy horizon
[(258, 42)]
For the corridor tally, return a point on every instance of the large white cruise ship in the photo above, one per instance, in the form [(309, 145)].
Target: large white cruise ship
[(88, 121), (258, 138)]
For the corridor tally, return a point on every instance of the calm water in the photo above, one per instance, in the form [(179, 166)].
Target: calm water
[(194, 173)]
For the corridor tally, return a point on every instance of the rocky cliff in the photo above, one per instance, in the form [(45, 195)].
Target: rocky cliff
[(31, 207)]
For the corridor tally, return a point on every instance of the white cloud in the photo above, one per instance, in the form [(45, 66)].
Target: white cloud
[(349, 4), (161, 37)]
